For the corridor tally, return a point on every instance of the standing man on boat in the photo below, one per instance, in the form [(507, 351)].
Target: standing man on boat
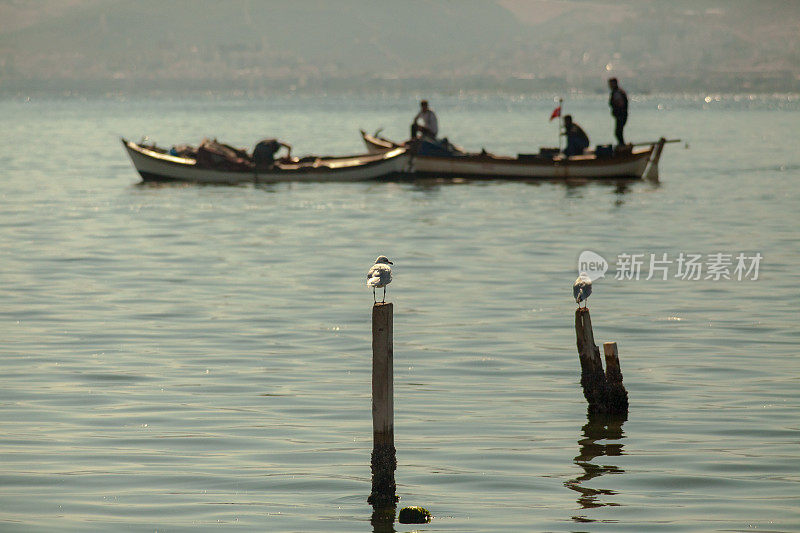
[(618, 101), (577, 140), (429, 126)]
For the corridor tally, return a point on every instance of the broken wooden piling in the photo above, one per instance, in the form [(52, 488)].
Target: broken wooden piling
[(603, 390), (384, 455), (616, 395)]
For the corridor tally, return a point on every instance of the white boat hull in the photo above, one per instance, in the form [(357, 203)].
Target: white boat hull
[(631, 165), (573, 168), (153, 165)]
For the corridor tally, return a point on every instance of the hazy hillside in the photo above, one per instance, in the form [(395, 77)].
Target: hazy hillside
[(361, 45), (739, 44)]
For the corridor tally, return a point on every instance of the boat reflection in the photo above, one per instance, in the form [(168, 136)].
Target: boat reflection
[(598, 430), (574, 188)]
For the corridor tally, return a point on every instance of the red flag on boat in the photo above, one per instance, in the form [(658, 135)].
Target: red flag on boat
[(556, 113)]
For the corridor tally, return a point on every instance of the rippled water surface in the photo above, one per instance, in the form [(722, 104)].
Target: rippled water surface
[(183, 358)]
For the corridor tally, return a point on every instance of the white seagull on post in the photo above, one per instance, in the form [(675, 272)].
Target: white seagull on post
[(582, 288), (380, 275)]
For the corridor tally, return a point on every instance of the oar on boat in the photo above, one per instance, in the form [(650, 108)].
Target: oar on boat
[(653, 143)]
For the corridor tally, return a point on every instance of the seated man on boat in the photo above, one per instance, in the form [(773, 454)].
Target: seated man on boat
[(265, 150), (577, 140), (429, 126)]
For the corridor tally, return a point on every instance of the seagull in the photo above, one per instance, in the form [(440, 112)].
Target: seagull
[(582, 288), (380, 275)]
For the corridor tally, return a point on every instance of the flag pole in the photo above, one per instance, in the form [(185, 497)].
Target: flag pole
[(560, 121)]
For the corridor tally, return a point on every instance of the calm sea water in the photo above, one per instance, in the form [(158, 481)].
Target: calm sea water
[(182, 358)]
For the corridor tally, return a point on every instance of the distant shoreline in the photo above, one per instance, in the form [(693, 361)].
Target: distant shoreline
[(477, 85)]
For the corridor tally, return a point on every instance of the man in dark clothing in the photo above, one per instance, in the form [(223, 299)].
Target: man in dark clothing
[(577, 140), (264, 152), (618, 101)]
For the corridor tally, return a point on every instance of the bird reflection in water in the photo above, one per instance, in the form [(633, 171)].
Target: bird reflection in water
[(598, 428)]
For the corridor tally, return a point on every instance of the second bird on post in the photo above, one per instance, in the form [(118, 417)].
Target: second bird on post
[(380, 275)]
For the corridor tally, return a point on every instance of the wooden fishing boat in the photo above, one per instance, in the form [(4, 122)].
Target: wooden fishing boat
[(157, 164), (441, 159)]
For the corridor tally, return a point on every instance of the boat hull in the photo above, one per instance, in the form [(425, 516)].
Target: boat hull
[(153, 165), (630, 165)]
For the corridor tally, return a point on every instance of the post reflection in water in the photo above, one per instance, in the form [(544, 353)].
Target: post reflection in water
[(382, 519), (597, 428)]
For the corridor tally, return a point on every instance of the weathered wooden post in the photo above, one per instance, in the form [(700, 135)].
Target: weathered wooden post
[(593, 379), (603, 390), (384, 454), (616, 395)]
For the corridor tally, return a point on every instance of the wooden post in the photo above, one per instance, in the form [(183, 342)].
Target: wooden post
[(593, 379), (384, 460), (603, 390), (617, 396)]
